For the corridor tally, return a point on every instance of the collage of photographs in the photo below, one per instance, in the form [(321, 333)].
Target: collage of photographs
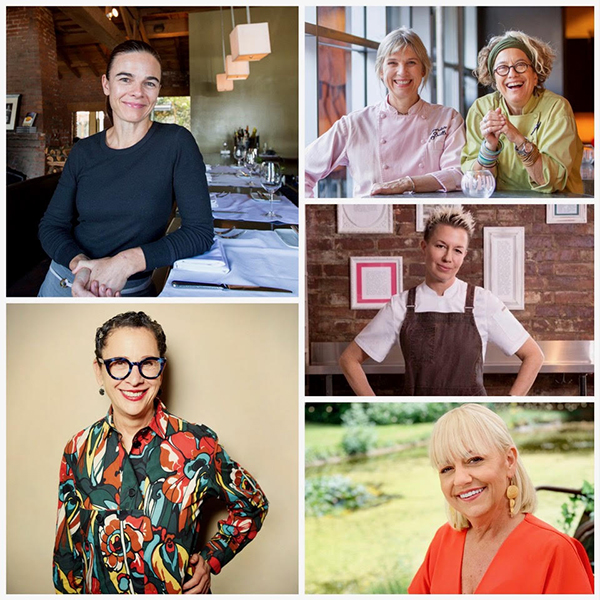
[(225, 224)]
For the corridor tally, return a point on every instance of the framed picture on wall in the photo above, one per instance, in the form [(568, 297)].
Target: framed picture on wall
[(504, 264), (365, 218), (566, 213), (12, 110), (374, 280), (423, 212)]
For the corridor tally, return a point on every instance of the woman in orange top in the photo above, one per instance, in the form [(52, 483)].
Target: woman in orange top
[(492, 543)]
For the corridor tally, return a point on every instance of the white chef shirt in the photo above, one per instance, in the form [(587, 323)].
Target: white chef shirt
[(493, 320)]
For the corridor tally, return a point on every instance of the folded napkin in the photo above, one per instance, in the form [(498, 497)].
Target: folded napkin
[(214, 261)]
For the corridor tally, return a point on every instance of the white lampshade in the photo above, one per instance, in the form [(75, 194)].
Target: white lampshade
[(224, 84), (236, 69), (250, 41)]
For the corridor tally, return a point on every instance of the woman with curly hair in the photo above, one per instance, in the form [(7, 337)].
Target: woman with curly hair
[(524, 134), (133, 484)]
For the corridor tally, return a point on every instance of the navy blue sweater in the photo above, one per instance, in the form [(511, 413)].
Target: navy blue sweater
[(110, 200)]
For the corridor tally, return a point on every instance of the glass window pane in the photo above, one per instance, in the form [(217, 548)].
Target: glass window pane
[(311, 120), (451, 93), (450, 25), (470, 92), (470, 41), (355, 16), (310, 14)]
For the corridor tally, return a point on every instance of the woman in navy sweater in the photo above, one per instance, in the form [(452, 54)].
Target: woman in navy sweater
[(105, 225)]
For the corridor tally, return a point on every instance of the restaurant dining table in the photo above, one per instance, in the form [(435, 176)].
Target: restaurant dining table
[(253, 259)]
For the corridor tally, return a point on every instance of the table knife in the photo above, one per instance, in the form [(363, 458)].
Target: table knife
[(227, 286)]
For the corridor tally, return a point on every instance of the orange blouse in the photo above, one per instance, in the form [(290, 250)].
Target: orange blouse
[(534, 559)]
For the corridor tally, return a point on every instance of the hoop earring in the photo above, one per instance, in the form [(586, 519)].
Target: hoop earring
[(512, 492), (101, 391)]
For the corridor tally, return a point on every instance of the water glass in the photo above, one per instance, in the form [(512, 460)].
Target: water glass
[(478, 184), (270, 179)]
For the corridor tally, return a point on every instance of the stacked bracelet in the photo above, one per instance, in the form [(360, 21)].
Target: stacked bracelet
[(413, 185), (530, 158), (487, 158)]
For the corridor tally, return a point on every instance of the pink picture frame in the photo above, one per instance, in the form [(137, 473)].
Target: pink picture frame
[(374, 280)]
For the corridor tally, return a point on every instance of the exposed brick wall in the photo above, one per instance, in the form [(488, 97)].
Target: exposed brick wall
[(32, 71), (559, 269)]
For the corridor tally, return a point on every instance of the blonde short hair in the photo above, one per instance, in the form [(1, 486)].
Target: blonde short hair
[(449, 215), (474, 429), (542, 58), (398, 40)]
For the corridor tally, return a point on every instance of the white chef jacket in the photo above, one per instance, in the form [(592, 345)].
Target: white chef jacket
[(494, 321)]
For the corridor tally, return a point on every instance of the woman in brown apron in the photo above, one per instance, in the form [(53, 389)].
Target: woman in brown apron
[(443, 324)]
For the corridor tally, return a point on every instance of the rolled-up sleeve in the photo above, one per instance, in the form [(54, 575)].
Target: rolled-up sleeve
[(560, 148), (325, 154)]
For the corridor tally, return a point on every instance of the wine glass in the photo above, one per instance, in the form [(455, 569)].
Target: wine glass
[(250, 159), (478, 184), (239, 153), (270, 179)]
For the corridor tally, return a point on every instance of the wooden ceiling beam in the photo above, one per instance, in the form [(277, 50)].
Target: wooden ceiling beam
[(93, 20), (167, 28), (135, 13), (63, 56)]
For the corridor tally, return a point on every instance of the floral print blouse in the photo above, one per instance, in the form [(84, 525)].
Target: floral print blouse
[(128, 523)]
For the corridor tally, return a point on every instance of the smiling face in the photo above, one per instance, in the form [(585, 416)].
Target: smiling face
[(402, 73), (132, 398), (132, 86), (444, 253), (516, 88), (475, 485)]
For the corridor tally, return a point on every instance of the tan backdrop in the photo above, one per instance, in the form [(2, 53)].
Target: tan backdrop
[(232, 367)]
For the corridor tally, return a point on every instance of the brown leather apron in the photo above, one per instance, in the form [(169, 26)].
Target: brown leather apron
[(442, 351)]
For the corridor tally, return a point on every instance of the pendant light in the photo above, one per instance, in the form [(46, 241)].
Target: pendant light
[(223, 84), (249, 42), (239, 69)]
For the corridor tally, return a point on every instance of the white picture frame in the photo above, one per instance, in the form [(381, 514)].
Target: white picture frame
[(423, 212), (365, 218), (566, 213), (504, 264), (374, 280)]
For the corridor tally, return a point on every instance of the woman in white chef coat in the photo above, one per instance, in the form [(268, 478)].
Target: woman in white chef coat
[(443, 324)]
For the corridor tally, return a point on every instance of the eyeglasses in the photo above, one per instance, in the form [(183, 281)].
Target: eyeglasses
[(504, 70), (120, 368)]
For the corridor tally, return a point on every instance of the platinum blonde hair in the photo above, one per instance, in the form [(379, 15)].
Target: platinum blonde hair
[(542, 58), (398, 40), (474, 429), (449, 215)]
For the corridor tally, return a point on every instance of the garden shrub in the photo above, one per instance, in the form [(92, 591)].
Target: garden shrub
[(359, 433), (388, 413), (331, 493)]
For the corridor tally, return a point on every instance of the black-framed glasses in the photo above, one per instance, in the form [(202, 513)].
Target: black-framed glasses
[(120, 368), (520, 68)]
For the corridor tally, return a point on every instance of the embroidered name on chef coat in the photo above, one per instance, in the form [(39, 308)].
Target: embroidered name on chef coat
[(437, 132)]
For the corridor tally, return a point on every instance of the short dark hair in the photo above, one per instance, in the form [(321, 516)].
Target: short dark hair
[(136, 320), (126, 48)]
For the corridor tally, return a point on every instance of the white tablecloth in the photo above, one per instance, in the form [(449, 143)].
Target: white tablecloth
[(256, 258), (242, 207), (231, 176)]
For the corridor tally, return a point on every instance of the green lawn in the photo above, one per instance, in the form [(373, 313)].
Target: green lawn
[(379, 549)]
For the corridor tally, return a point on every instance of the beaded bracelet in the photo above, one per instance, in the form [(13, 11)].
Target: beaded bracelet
[(487, 158)]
